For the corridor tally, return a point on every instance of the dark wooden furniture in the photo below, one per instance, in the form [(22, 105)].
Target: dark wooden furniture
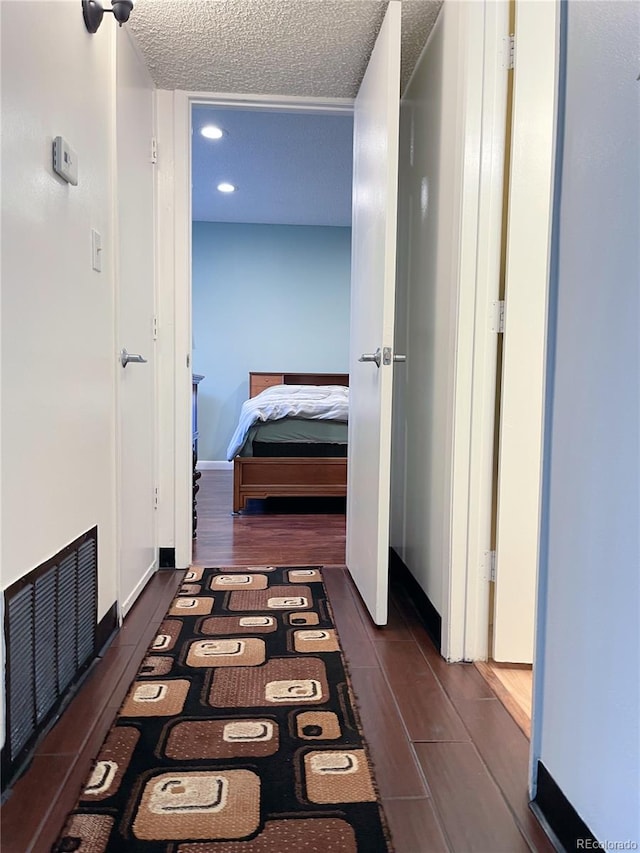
[(294, 476), (259, 381), (195, 380)]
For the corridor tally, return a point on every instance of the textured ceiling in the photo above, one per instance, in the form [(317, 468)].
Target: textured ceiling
[(289, 168), (313, 48)]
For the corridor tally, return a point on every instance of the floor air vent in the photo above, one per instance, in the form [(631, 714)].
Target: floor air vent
[(50, 631)]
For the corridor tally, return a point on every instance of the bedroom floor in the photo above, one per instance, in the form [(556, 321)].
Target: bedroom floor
[(450, 762)]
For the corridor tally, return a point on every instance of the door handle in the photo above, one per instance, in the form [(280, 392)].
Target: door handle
[(387, 358), (127, 357), (371, 356)]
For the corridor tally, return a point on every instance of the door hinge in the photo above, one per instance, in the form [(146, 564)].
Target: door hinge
[(508, 58), (155, 328), (155, 498), (154, 150), (497, 316), (188, 360), (489, 568)]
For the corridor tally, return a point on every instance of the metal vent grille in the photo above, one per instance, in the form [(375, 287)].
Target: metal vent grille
[(45, 644), (66, 616), (87, 601), (22, 693), (50, 627)]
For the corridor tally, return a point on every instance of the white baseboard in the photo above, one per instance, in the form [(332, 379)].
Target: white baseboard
[(207, 465), (128, 603)]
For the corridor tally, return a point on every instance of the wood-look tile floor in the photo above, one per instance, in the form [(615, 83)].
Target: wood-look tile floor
[(513, 685), (450, 762)]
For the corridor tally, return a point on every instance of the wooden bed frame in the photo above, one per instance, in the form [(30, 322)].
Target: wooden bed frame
[(295, 476)]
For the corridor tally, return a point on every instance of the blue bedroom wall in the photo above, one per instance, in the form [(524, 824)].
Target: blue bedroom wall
[(265, 297)]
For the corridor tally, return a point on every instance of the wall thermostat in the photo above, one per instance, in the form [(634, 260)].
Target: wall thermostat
[(65, 161)]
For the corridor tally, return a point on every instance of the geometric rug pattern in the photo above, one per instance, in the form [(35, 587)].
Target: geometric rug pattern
[(239, 733)]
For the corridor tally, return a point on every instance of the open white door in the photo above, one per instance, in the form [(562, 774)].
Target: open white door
[(136, 303), (527, 276), (373, 278)]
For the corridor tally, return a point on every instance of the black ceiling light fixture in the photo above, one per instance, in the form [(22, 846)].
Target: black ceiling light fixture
[(92, 12)]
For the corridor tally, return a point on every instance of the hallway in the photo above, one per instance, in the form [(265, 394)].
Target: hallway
[(450, 762)]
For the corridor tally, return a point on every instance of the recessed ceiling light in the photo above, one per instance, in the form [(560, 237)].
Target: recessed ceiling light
[(210, 131), (224, 187)]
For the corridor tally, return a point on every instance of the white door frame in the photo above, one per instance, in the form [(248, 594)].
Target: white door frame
[(524, 353), (481, 242), (174, 227), (483, 99), (466, 618)]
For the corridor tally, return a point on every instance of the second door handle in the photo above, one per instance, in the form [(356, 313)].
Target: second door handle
[(371, 356), (128, 357)]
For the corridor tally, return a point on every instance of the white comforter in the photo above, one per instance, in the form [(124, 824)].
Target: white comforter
[(314, 402)]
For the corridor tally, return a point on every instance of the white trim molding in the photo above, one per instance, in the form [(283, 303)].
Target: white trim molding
[(127, 604), (214, 465), (482, 122), (270, 102), (523, 357), (182, 329), (487, 138)]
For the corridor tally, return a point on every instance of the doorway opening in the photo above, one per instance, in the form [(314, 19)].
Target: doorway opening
[(525, 271), (270, 261), (512, 682)]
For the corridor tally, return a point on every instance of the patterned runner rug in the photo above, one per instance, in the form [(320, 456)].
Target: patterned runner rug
[(238, 734)]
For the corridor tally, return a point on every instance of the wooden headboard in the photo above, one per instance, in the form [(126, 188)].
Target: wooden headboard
[(259, 381)]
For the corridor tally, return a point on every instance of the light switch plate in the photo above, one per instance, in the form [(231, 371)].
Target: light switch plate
[(96, 250), (65, 161)]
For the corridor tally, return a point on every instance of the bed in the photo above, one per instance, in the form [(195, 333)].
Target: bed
[(291, 457)]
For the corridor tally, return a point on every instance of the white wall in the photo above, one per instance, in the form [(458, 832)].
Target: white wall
[(427, 294), (586, 722), (58, 315), (265, 297)]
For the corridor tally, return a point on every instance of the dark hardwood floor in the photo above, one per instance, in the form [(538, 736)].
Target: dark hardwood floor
[(33, 815), (451, 764), (265, 536)]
